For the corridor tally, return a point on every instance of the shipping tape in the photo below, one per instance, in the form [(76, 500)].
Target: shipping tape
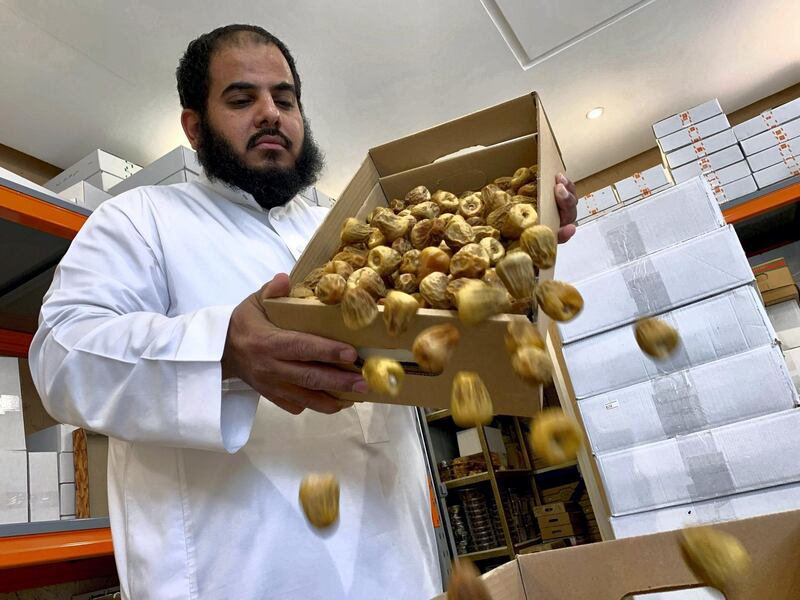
[(779, 133), (789, 159), (686, 119), (623, 239), (699, 149), (694, 134), (677, 405), (715, 512), (641, 184), (769, 119), (706, 466), (646, 288)]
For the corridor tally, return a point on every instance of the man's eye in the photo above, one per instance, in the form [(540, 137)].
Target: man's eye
[(239, 101), (284, 103)]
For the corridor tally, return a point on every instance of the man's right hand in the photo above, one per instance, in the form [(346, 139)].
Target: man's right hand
[(293, 370)]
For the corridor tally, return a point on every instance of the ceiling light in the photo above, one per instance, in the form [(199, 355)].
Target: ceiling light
[(595, 113)]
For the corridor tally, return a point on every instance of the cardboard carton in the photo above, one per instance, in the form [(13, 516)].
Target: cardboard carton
[(710, 162), (12, 427), (176, 166), (13, 486), (642, 184), (771, 137), (510, 135), (789, 167), (693, 133), (554, 508), (57, 438), (563, 518), (728, 174), (785, 152), (700, 148), (735, 189), (775, 282), (792, 357), (686, 118), (67, 498), (651, 193), (768, 119), (43, 486), (100, 168), (469, 443), (66, 467), (85, 194), (597, 202)]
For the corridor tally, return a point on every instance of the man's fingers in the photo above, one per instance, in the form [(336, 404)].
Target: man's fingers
[(315, 376), (294, 399), (279, 287), (565, 233), (292, 345)]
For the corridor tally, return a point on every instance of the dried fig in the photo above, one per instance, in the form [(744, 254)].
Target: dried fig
[(433, 260), (434, 346), (368, 280), (494, 249), (358, 308), (433, 288), (399, 309), (331, 288), (383, 375), (471, 261), (560, 301), (319, 497), (656, 338), (383, 260), (470, 404), (540, 243), (555, 437), (516, 271), (417, 195)]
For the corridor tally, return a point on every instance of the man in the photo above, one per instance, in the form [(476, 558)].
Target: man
[(144, 336)]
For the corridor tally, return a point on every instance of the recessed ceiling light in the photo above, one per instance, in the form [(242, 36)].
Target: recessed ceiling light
[(595, 113)]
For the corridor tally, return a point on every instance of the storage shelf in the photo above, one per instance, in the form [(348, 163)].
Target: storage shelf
[(499, 552), (44, 548), (437, 415), (566, 465), (527, 543), (778, 195), (468, 480)]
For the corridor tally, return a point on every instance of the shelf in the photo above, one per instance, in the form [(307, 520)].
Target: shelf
[(527, 543), (468, 480), (511, 472), (500, 552), (567, 465), (45, 548), (773, 197), (437, 415)]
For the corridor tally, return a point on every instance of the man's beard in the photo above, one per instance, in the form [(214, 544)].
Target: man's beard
[(271, 186)]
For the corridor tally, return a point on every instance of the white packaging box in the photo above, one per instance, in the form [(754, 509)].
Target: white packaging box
[(43, 486), (785, 318), (768, 119), (469, 443), (792, 358), (728, 174), (182, 176), (85, 194), (735, 189), (673, 277), (771, 137), (693, 133), (66, 467), (729, 508), (776, 173), (92, 168), (740, 457), (159, 172), (67, 498), (57, 438), (784, 152), (642, 184), (701, 148), (13, 486), (686, 118), (710, 330), (673, 216), (596, 202), (67, 517), (630, 201), (12, 425), (711, 162), (736, 388)]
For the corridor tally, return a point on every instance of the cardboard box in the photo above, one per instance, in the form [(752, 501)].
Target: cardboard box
[(686, 118), (57, 438), (469, 443), (697, 269), (182, 176), (673, 216), (596, 202), (175, 163), (778, 172), (768, 120), (510, 135), (654, 191), (771, 137), (12, 426), (43, 486), (729, 390), (786, 152), (728, 174), (693, 133), (67, 498), (553, 532), (735, 189), (710, 162), (792, 357), (564, 518), (734, 458), (700, 148), (554, 508), (92, 168), (85, 194), (66, 467), (13, 486), (784, 315), (712, 329), (642, 184), (775, 282)]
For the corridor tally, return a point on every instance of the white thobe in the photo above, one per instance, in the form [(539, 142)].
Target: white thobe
[(204, 476)]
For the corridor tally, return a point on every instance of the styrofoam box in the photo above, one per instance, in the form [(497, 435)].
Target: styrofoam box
[(642, 184), (701, 148), (596, 202), (777, 173), (711, 162), (66, 467), (67, 498), (673, 277), (673, 216), (740, 457), (729, 508), (693, 133), (13, 486), (469, 443), (735, 189), (686, 118), (771, 137), (57, 438), (178, 159), (728, 390), (768, 119), (654, 191), (85, 194), (790, 149), (43, 486), (88, 167), (711, 329)]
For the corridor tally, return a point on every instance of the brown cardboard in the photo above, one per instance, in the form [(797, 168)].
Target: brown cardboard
[(512, 134), (552, 532), (775, 282), (34, 415), (554, 508), (563, 518)]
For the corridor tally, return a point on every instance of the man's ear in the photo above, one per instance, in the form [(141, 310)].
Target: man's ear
[(190, 121)]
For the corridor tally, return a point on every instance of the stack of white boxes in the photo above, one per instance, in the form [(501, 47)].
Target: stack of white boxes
[(785, 318), (691, 438), (642, 185), (700, 142), (771, 143), (57, 441), (13, 457), (597, 203), (176, 166), (99, 169)]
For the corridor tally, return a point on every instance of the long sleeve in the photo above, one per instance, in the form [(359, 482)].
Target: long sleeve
[(106, 356)]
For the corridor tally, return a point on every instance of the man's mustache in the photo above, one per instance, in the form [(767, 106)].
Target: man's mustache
[(256, 138)]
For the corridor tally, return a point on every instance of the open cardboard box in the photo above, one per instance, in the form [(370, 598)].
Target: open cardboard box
[(465, 154), (620, 569)]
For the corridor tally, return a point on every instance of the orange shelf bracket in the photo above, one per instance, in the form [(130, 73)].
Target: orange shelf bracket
[(39, 214), (763, 204)]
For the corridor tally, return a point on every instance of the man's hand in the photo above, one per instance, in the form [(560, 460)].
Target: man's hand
[(567, 207), (293, 370)]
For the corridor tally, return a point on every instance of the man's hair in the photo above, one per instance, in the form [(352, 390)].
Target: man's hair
[(193, 68)]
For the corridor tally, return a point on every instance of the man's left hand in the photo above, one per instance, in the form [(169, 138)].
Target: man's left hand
[(567, 207)]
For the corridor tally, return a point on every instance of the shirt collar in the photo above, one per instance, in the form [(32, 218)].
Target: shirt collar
[(231, 192)]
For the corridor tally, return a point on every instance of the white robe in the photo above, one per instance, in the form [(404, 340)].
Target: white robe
[(203, 477)]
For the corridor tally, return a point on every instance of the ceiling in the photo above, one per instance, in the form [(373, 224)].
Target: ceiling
[(85, 74)]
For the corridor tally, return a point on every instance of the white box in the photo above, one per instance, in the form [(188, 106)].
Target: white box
[(596, 202), (784, 152), (43, 486), (728, 174), (784, 315), (711, 329), (89, 169), (735, 189), (792, 358), (686, 118), (642, 184), (771, 137), (469, 443), (673, 277), (9, 377), (67, 517), (768, 119), (673, 216), (67, 498), (57, 438), (159, 171), (693, 133), (728, 508), (104, 181), (736, 388), (740, 457), (66, 467), (12, 425), (13, 486), (701, 148), (776, 173), (85, 194), (653, 192), (182, 176), (711, 162)]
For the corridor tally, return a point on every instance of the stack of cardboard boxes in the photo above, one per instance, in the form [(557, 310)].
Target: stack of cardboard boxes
[(176, 166), (771, 142), (560, 519), (56, 441), (13, 457), (88, 182), (718, 417)]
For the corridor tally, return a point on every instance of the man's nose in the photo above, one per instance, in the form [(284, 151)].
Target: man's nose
[(268, 114)]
